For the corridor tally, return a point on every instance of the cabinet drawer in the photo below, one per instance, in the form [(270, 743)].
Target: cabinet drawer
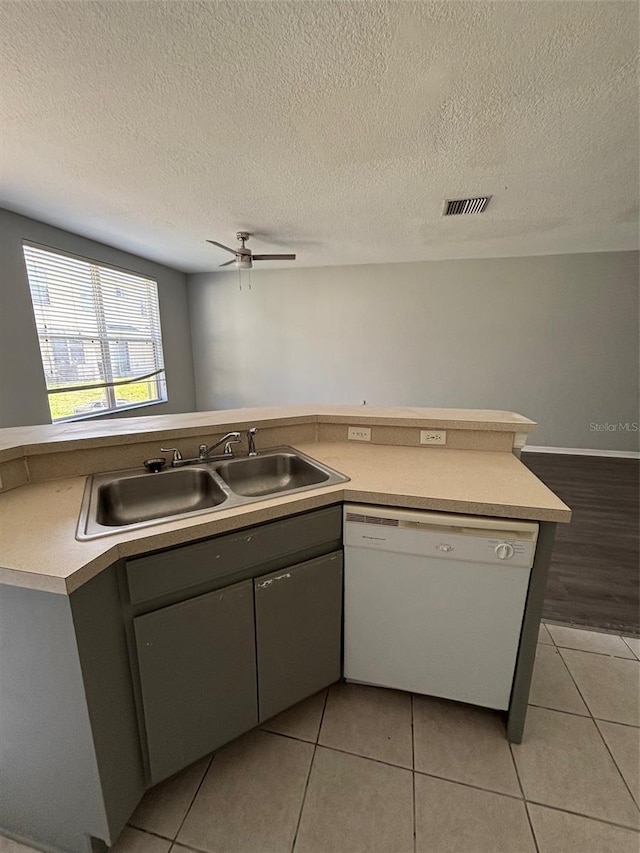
[(223, 556)]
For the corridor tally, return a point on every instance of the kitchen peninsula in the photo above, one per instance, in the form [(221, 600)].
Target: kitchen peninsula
[(78, 617)]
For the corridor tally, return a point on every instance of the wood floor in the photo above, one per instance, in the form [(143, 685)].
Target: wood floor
[(595, 575)]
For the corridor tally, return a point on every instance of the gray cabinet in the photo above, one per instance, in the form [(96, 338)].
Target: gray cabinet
[(298, 631), (197, 676), (202, 675)]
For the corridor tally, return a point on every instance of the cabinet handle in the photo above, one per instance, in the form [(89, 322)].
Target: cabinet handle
[(265, 584)]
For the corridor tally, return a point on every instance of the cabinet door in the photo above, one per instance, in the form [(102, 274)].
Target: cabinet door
[(198, 676), (298, 631)]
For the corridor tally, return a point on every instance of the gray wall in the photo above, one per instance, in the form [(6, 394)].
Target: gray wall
[(554, 337), (23, 398)]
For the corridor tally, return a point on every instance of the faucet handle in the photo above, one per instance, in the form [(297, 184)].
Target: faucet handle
[(177, 456)]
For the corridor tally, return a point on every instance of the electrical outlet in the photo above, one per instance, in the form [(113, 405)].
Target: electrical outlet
[(359, 433), (433, 436)]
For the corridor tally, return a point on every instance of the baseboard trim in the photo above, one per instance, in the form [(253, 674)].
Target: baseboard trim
[(583, 451)]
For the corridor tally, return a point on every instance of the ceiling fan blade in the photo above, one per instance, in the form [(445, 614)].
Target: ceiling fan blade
[(222, 246), (226, 263), (273, 257)]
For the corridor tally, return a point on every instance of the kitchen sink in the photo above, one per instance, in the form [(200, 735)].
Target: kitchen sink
[(271, 474), (125, 500)]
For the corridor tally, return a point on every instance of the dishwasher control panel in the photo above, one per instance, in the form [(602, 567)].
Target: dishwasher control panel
[(441, 535)]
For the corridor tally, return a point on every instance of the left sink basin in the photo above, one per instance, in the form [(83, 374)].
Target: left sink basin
[(137, 498), (132, 499)]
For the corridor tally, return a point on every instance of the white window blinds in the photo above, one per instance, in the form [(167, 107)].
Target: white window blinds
[(99, 333)]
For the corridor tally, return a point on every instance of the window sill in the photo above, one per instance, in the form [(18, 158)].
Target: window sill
[(92, 416)]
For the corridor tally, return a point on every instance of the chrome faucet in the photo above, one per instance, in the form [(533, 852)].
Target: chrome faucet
[(204, 452), (251, 441), (230, 438)]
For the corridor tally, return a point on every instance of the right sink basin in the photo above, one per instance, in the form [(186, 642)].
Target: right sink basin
[(270, 474)]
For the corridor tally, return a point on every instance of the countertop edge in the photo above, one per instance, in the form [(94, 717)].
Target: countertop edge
[(289, 505)]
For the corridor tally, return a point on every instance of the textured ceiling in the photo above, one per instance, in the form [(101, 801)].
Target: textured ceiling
[(334, 129)]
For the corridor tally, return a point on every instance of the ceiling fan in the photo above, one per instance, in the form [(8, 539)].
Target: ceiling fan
[(244, 257)]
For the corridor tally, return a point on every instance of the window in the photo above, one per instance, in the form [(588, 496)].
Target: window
[(99, 333)]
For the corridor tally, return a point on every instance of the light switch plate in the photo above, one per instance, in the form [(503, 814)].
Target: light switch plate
[(433, 436), (358, 433)]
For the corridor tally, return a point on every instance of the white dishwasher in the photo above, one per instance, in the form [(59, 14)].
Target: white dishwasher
[(434, 602)]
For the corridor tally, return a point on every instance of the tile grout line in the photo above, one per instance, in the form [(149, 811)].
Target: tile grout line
[(187, 847), (616, 723), (454, 781), (593, 720), (306, 785), (290, 737), (413, 775), (348, 752), (589, 651), (530, 822), (633, 651), (304, 796), (602, 738), (583, 716), (524, 799), (575, 683), (560, 710), (146, 832), (590, 629), (583, 815), (193, 799), (586, 629)]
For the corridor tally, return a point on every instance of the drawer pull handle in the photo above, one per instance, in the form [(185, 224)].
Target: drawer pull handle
[(265, 584)]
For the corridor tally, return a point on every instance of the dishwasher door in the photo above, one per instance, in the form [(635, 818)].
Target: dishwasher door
[(434, 602)]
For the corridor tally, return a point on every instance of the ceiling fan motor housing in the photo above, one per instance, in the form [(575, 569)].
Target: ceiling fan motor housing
[(244, 257)]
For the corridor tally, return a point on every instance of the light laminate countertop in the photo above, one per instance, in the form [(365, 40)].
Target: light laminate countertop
[(38, 548), (17, 441)]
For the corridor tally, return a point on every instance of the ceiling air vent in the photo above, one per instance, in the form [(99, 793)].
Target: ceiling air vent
[(456, 206)]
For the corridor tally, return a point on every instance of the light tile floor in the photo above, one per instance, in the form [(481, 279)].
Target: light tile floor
[(364, 770)]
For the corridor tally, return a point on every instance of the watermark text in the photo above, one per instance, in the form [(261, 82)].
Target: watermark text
[(620, 426)]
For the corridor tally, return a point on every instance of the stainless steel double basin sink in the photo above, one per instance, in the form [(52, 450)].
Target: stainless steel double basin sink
[(123, 500)]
